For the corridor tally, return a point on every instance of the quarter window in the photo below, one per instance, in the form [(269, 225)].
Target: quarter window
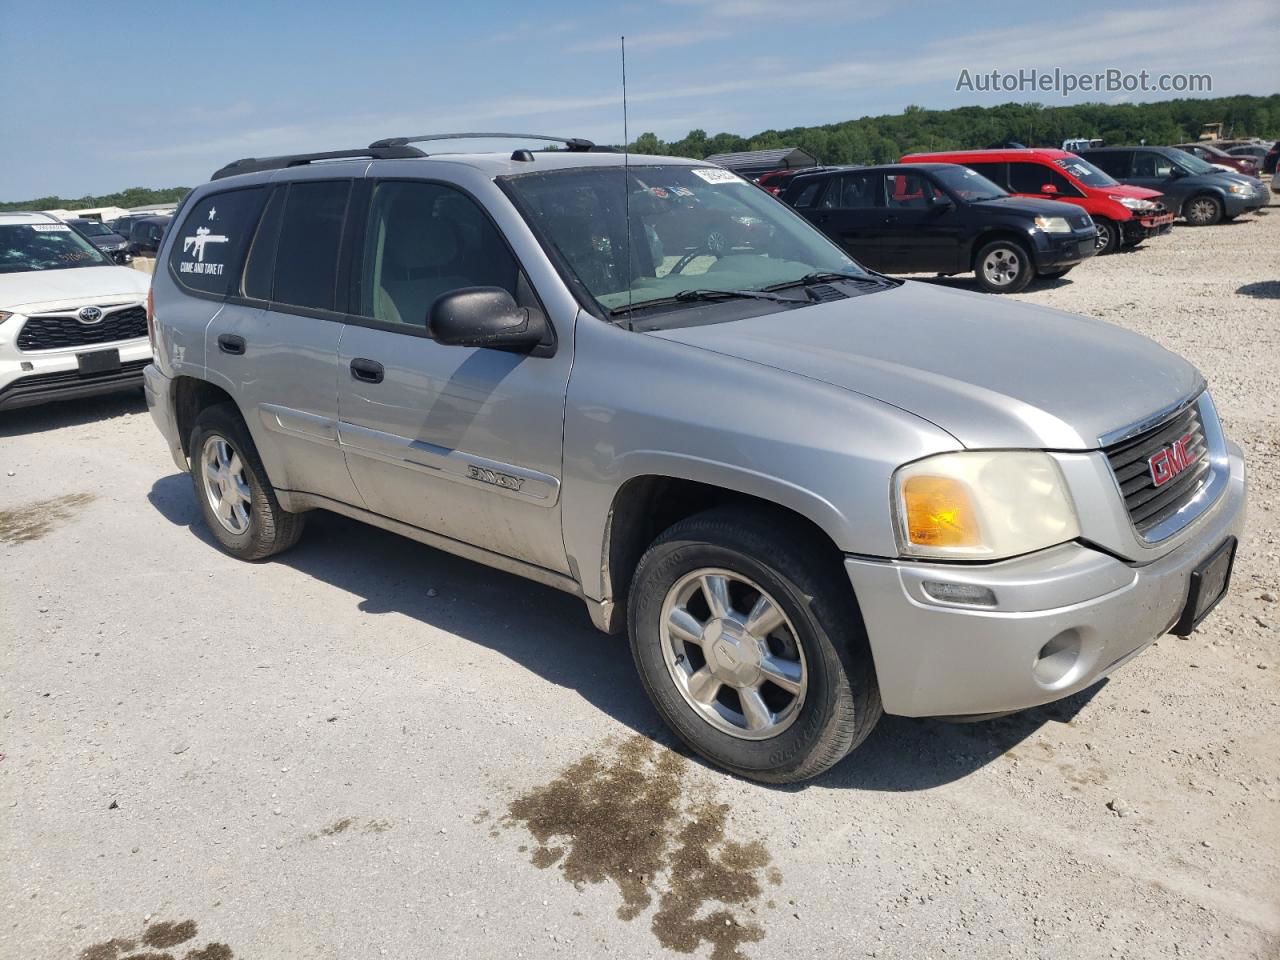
[(211, 242), (424, 240)]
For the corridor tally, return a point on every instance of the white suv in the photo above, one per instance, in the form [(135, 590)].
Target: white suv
[(72, 323)]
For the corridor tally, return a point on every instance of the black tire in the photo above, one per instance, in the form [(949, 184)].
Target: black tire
[(1108, 236), (271, 529), (1202, 210), (804, 576), (995, 278)]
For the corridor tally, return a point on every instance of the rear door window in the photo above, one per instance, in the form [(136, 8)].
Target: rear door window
[(310, 240), (212, 240), (1116, 164), (997, 173)]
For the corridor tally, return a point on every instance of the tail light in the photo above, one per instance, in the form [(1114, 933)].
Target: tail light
[(151, 318)]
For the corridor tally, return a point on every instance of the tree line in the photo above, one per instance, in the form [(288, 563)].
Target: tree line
[(884, 139)]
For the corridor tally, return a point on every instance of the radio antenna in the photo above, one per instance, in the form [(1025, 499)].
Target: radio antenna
[(626, 177)]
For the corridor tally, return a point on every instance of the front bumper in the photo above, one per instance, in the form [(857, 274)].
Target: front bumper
[(27, 379), (1144, 227), (1089, 610), (1054, 251), (159, 391)]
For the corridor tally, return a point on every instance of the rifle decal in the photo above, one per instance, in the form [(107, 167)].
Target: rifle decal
[(195, 245)]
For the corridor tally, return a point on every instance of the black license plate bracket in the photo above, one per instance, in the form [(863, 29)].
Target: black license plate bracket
[(98, 361), (1209, 582)]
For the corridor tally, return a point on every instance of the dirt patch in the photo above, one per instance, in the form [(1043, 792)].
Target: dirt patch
[(338, 826), (24, 524), (160, 936), (165, 934), (624, 817)]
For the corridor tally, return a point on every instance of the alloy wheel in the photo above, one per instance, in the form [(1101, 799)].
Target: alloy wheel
[(733, 654), (225, 484)]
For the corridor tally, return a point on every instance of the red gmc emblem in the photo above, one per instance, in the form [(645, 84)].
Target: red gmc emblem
[(1172, 460)]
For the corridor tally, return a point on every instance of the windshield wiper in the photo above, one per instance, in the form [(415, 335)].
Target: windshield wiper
[(693, 296), (812, 279)]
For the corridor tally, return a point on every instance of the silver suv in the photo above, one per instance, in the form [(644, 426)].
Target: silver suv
[(810, 493)]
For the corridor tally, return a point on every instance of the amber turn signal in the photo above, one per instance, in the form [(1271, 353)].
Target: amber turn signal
[(939, 513)]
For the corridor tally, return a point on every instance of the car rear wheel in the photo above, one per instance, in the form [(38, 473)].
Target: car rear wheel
[(239, 504), (750, 645), (1202, 211), (1003, 266), (1108, 236)]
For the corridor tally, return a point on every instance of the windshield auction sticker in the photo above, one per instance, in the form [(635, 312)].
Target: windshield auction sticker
[(716, 175), (50, 228)]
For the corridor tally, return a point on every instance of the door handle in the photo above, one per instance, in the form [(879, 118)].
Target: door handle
[(230, 343), (367, 371)]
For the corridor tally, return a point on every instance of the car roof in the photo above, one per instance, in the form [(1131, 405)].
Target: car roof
[(27, 216), (1047, 153), (498, 164)]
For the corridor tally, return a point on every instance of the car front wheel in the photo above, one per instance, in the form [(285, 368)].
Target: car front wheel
[(1108, 236), (1004, 266), (1202, 211), (749, 642)]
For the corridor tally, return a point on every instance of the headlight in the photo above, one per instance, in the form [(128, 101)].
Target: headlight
[(4, 316), (1133, 203), (1240, 188), (1053, 224), (976, 505)]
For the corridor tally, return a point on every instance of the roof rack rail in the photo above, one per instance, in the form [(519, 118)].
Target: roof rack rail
[(576, 144), (258, 164)]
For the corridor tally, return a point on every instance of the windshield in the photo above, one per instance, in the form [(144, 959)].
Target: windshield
[(92, 228), (1085, 172), (1191, 163), (45, 246), (968, 184), (692, 228)]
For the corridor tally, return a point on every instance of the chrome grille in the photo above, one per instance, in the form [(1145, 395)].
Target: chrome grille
[(52, 331), (1148, 504)]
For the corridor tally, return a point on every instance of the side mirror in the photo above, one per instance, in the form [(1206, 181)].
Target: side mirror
[(1050, 189), (939, 202), (485, 317)]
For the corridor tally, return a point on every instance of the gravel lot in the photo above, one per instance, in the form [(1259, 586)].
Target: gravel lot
[(368, 748)]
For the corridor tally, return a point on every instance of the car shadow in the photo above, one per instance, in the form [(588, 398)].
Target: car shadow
[(966, 282), (69, 413), (1263, 289), (549, 633)]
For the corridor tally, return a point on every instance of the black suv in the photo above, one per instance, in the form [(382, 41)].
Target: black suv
[(943, 218), (1200, 192), (103, 237)]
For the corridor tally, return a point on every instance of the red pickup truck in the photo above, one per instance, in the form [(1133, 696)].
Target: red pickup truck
[(1125, 215)]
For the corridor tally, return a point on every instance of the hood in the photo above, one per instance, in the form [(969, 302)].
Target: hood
[(992, 372), (1030, 206), (38, 290), (1128, 190)]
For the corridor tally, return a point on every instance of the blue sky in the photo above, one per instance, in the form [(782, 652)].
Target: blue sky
[(102, 96)]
